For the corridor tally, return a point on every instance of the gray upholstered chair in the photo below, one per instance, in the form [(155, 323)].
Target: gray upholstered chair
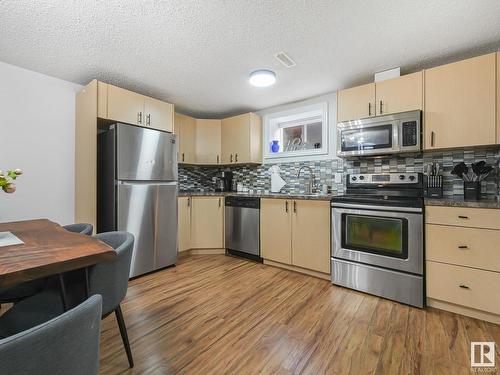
[(81, 228), (110, 279), (67, 344), (19, 292)]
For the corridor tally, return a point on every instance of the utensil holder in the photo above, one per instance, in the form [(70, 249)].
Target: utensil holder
[(433, 187), (472, 190)]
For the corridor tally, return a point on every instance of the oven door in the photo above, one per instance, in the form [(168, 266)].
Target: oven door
[(378, 236), (368, 139)]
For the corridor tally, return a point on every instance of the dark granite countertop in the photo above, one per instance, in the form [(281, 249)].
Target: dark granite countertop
[(459, 201), (323, 197)]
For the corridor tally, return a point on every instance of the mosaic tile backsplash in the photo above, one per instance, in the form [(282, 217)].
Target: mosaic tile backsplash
[(256, 178)]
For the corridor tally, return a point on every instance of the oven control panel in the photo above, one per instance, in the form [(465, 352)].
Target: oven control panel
[(383, 178)]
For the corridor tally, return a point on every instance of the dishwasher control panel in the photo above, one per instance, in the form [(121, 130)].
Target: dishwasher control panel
[(248, 202)]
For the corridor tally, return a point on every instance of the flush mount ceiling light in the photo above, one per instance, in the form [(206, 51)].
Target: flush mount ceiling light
[(262, 78)]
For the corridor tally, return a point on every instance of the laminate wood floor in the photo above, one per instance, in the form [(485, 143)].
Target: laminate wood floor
[(214, 314)]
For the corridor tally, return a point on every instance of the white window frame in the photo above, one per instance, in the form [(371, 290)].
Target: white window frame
[(271, 122)]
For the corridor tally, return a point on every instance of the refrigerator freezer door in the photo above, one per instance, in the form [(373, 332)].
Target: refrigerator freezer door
[(145, 154), (136, 213), (166, 225)]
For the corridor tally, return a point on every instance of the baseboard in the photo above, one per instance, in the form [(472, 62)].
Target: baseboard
[(202, 252), (305, 271), (462, 310)]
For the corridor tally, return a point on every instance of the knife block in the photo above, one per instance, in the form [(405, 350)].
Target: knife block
[(433, 186)]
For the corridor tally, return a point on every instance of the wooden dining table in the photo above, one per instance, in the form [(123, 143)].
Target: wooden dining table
[(48, 250)]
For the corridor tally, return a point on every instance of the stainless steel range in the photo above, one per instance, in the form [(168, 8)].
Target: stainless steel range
[(377, 236)]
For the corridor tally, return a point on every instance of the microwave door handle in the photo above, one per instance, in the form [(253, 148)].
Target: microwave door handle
[(395, 137)]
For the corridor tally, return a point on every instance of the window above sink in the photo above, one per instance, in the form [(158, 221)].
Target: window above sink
[(297, 132)]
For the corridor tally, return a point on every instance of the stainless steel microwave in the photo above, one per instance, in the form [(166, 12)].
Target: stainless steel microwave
[(381, 135)]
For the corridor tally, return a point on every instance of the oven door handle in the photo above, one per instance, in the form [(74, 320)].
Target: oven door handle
[(376, 208)]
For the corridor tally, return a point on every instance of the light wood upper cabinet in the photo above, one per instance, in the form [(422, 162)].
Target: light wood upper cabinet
[(498, 97), (311, 235), (460, 100), (399, 94), (117, 104), (241, 139), (185, 128), (125, 106), (102, 99), (184, 230), (275, 230), (207, 219), (159, 115), (356, 102), (208, 141)]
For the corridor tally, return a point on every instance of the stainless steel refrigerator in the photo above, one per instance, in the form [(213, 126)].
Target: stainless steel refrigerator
[(137, 192)]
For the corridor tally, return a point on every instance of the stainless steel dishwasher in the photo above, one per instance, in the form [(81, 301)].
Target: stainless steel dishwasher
[(242, 228)]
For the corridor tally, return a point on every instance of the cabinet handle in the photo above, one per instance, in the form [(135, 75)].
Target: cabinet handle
[(219, 202), (231, 158), (433, 136), (148, 120), (217, 159), (463, 217), (294, 207), (463, 247), (286, 206), (189, 201), (139, 118), (381, 107), (236, 158), (182, 156), (369, 109), (463, 286)]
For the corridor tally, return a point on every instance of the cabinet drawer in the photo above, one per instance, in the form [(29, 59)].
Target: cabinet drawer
[(463, 246), (464, 286), (464, 217)]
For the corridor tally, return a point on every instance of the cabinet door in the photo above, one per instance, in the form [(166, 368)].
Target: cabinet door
[(184, 214), (399, 94), (159, 115), (275, 236), (208, 141), (460, 103), (236, 139), (125, 106), (498, 97), (228, 134), (311, 235), (185, 128), (355, 103), (207, 222)]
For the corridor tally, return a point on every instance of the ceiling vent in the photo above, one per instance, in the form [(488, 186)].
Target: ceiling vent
[(286, 60)]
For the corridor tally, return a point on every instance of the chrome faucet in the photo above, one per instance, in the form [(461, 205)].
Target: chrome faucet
[(310, 186)]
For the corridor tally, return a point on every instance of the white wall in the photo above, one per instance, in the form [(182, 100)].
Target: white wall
[(331, 100), (37, 126)]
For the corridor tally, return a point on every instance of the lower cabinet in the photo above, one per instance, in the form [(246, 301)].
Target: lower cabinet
[(207, 221), (462, 261), (311, 235), (275, 230), (296, 233), (184, 223)]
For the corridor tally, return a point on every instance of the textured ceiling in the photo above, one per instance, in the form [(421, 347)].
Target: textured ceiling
[(197, 54)]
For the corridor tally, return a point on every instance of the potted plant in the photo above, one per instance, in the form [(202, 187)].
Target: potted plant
[(7, 180)]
